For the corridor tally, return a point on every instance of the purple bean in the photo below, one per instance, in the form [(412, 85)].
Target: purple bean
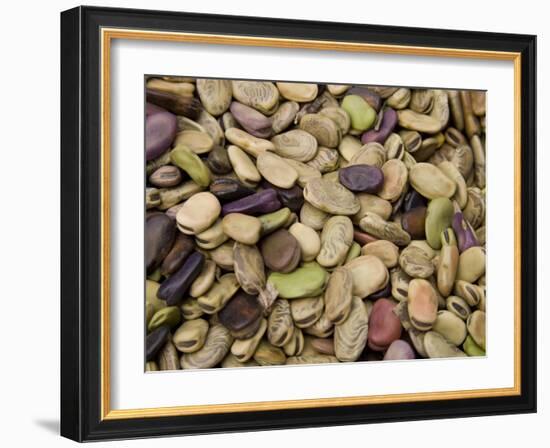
[(264, 201), (389, 121), (293, 198), (251, 120), (465, 234), (155, 341), (174, 288), (362, 178), (160, 131), (399, 349)]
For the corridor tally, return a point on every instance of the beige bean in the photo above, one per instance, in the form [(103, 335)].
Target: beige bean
[(223, 255), (374, 204), (305, 312), (191, 335), (295, 144), (216, 346), (242, 228), (322, 328), (476, 327), (296, 91), (336, 239), (280, 326), (385, 250), (243, 166), (198, 213), (244, 349), (313, 217), (168, 357), (369, 275), (436, 346), (215, 95), (219, 294), (261, 95), (387, 230), (268, 355), (190, 308), (349, 146), (254, 146), (450, 326), (205, 279), (211, 237), (471, 264), (415, 262), (308, 239), (295, 346), (370, 154), (275, 170), (305, 172), (322, 128), (338, 295), (431, 182), (395, 180), (350, 336), (197, 141), (423, 304)]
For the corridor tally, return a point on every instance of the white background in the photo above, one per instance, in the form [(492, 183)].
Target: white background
[(131, 388), (29, 388)]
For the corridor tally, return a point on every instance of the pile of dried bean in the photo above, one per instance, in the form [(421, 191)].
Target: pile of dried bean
[(292, 223)]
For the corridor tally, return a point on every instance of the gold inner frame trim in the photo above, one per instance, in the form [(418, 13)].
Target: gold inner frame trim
[(107, 35)]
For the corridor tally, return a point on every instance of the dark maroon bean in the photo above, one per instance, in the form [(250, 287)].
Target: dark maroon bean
[(174, 288), (413, 222), (160, 131), (251, 120), (362, 178), (187, 106), (413, 199), (264, 201), (182, 248), (281, 251), (389, 121), (155, 341), (293, 198), (242, 315), (465, 234), (160, 232)]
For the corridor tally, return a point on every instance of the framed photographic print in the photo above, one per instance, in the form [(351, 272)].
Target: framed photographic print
[(276, 224)]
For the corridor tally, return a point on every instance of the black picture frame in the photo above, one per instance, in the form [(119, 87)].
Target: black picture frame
[(81, 224)]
